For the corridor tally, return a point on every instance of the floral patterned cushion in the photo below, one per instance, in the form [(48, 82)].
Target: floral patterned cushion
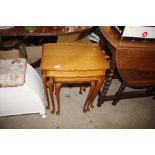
[(12, 72)]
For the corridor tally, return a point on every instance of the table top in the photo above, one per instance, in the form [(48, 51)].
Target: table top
[(114, 39), (72, 57), (42, 30)]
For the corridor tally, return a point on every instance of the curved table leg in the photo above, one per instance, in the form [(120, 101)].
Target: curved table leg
[(98, 86), (57, 92), (51, 90), (92, 87), (44, 79)]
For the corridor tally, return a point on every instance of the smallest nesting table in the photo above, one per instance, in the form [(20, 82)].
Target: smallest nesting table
[(72, 63)]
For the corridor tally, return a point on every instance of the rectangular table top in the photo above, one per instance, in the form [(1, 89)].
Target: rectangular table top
[(72, 57)]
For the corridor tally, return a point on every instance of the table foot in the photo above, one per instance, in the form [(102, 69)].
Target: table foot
[(92, 106), (48, 107), (58, 113), (97, 88), (53, 111), (84, 110)]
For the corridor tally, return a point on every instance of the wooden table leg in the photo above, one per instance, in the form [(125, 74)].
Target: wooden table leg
[(80, 91), (82, 88), (106, 86), (97, 88), (51, 90), (92, 87), (57, 92), (119, 93), (23, 51), (44, 79)]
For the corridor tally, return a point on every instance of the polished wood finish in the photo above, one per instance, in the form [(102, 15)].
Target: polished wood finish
[(74, 63), (71, 57), (17, 31), (51, 90), (111, 41), (94, 88), (119, 93), (136, 68), (75, 74), (57, 93), (43, 30), (44, 80), (95, 92)]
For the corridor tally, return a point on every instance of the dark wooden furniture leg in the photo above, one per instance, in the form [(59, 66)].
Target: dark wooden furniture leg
[(57, 91), (92, 88), (80, 91), (51, 90), (23, 51), (106, 86), (82, 88), (119, 93), (36, 63)]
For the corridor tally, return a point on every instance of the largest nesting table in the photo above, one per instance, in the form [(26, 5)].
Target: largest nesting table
[(72, 63)]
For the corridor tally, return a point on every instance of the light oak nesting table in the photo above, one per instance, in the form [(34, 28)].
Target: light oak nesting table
[(72, 63)]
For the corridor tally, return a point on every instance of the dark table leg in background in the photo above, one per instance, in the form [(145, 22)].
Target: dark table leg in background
[(36, 63)]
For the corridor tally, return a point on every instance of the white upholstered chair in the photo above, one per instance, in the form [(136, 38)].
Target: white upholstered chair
[(22, 99)]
